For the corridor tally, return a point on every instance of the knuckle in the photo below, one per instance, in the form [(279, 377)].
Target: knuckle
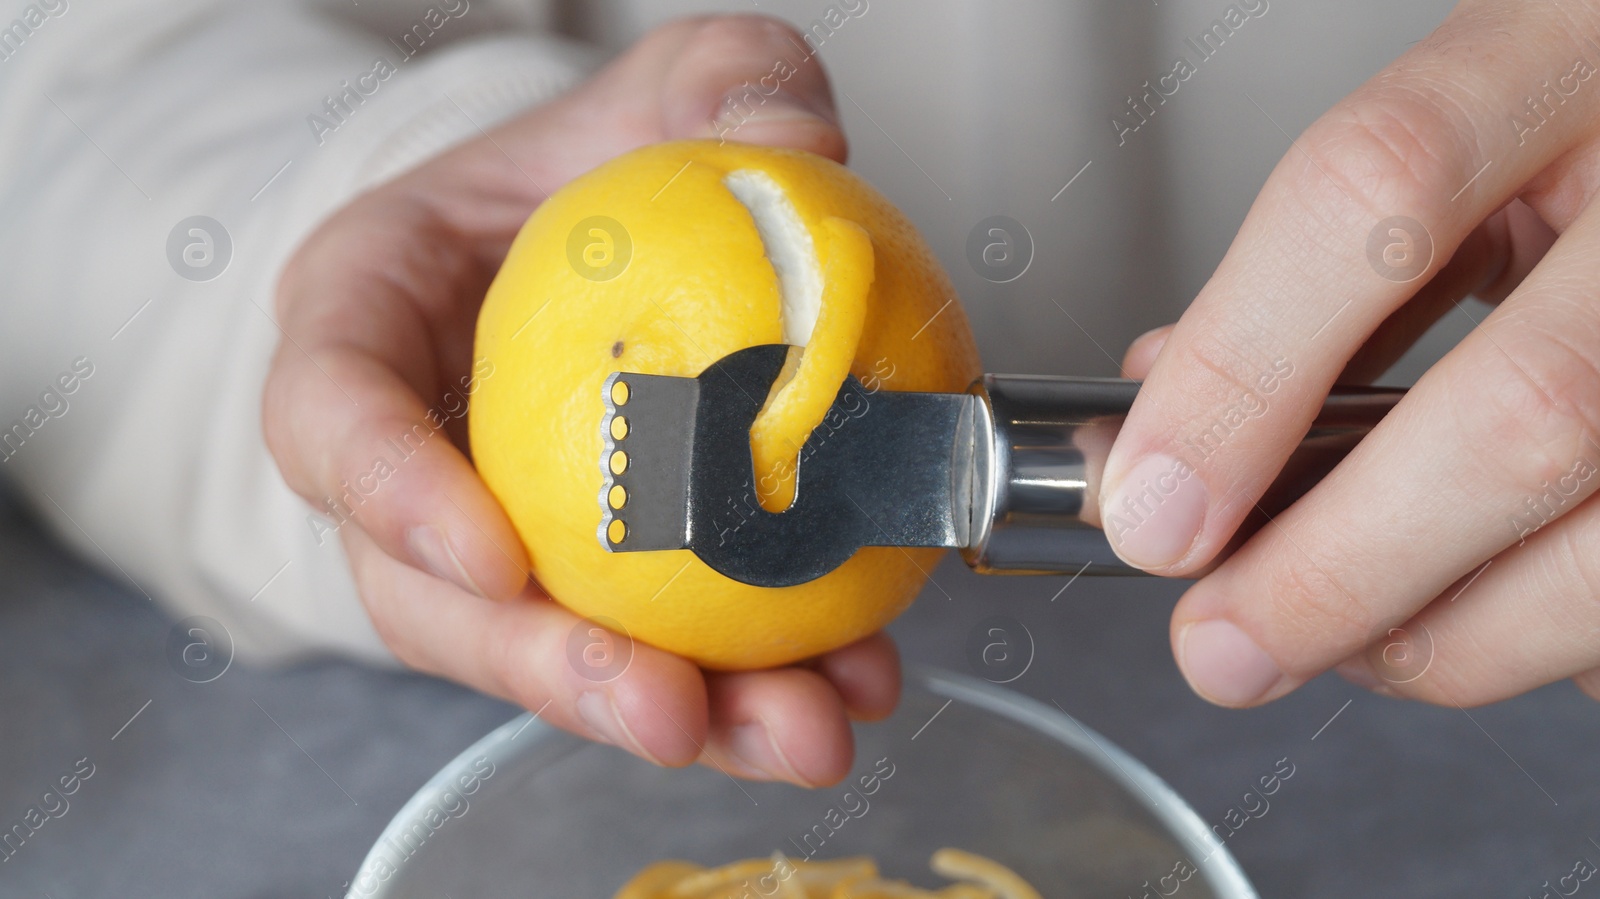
[(512, 668), (1544, 400), (1235, 362), (1398, 147), (504, 664)]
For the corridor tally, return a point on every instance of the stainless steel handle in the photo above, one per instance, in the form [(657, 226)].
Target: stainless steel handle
[(1041, 447)]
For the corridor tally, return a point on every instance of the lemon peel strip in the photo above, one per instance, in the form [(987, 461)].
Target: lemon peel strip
[(847, 878), (716, 882), (823, 279), (805, 390), (790, 248), (958, 865)]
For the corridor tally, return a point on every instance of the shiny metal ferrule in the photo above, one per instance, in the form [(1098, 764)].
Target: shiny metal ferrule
[(1039, 445), (1037, 454)]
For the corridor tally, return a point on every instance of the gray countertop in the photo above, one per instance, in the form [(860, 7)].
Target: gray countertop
[(274, 783)]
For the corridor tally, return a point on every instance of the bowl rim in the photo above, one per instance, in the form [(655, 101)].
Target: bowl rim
[(1216, 864)]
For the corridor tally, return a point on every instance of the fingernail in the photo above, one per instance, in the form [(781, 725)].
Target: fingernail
[(1224, 665), (755, 746), (428, 544), (599, 713), (748, 106), (1156, 513)]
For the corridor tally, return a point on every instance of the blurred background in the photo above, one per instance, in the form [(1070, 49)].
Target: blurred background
[(273, 782), (960, 111)]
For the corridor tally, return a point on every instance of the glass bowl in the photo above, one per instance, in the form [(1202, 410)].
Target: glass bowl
[(532, 811)]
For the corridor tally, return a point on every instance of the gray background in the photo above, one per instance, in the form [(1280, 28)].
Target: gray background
[(964, 109)]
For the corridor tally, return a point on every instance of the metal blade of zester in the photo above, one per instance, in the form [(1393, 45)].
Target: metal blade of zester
[(883, 469)]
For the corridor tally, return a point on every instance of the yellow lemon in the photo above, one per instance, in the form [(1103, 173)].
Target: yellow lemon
[(662, 261)]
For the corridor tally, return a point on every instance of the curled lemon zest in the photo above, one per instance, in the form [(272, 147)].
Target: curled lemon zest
[(811, 376), (976, 877)]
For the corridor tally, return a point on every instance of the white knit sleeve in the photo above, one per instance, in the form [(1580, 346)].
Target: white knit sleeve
[(159, 161)]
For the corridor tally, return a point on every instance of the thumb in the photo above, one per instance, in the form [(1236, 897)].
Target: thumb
[(744, 78), (751, 79)]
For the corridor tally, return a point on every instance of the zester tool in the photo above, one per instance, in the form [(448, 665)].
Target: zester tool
[(1005, 472)]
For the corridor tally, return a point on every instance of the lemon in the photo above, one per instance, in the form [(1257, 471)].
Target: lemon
[(662, 261)]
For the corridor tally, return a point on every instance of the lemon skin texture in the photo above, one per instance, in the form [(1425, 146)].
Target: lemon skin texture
[(697, 285)]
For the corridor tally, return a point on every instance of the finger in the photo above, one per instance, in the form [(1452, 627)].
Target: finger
[(1589, 683), (1528, 238), (866, 675), (1490, 446), (344, 411), (1141, 354), (745, 78), (763, 83), (1490, 262), (785, 724), (1457, 652), (749, 78), (539, 655), (1297, 293)]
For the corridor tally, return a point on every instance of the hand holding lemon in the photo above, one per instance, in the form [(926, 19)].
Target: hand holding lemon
[(382, 303)]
